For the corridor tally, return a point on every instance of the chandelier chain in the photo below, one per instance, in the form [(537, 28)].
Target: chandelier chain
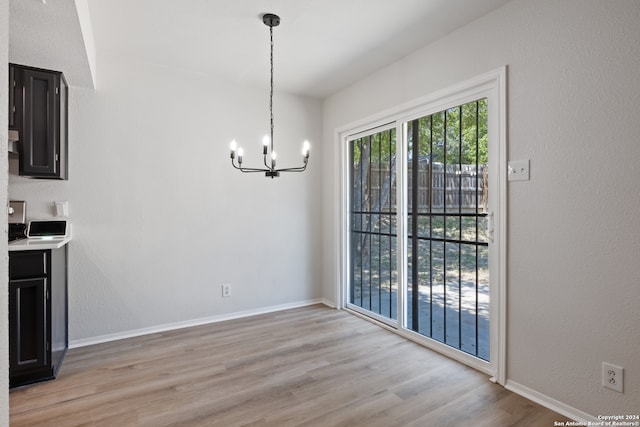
[(271, 92)]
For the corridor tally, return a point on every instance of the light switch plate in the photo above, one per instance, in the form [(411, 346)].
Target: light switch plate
[(519, 170), (61, 208)]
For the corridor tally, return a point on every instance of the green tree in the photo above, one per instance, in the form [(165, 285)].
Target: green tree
[(373, 179), (463, 126)]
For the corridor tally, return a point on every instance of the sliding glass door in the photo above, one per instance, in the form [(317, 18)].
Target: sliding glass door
[(373, 238), (446, 296), (447, 289), (420, 197)]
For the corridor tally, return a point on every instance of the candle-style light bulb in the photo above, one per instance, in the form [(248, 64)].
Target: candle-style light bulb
[(265, 144), (306, 147), (233, 146), (240, 153), (273, 159)]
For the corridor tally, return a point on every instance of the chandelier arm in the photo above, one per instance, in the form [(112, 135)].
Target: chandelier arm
[(298, 169), (268, 169), (247, 170), (244, 169), (265, 162), (250, 170)]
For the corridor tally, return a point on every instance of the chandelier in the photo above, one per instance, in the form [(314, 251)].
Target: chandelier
[(268, 153)]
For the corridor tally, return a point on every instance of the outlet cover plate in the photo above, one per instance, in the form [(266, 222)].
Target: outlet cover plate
[(226, 290), (612, 377)]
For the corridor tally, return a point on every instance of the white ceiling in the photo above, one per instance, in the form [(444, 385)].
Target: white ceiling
[(49, 36), (320, 46)]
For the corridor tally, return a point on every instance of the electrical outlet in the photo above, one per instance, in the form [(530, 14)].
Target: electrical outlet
[(226, 290), (612, 376)]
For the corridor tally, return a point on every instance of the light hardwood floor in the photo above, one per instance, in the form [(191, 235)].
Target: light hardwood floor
[(311, 366)]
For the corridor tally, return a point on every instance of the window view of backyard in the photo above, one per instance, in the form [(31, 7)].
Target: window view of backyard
[(447, 292)]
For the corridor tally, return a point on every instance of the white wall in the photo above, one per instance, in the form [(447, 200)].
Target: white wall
[(4, 269), (573, 235), (161, 219)]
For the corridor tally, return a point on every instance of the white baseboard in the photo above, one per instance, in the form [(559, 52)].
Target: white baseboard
[(83, 342), (328, 303), (550, 403)]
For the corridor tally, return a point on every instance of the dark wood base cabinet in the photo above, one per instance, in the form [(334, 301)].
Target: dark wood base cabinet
[(38, 337)]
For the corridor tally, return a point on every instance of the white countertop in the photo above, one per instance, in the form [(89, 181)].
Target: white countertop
[(31, 244)]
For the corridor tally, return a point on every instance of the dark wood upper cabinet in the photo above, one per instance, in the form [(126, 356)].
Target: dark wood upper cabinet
[(40, 102)]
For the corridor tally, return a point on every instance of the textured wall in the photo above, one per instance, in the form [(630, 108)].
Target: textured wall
[(4, 269), (161, 219), (573, 235)]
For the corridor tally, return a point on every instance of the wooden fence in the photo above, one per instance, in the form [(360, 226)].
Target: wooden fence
[(460, 186)]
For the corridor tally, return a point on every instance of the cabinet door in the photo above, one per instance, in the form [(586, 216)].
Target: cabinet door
[(27, 325), (28, 264), (40, 124)]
